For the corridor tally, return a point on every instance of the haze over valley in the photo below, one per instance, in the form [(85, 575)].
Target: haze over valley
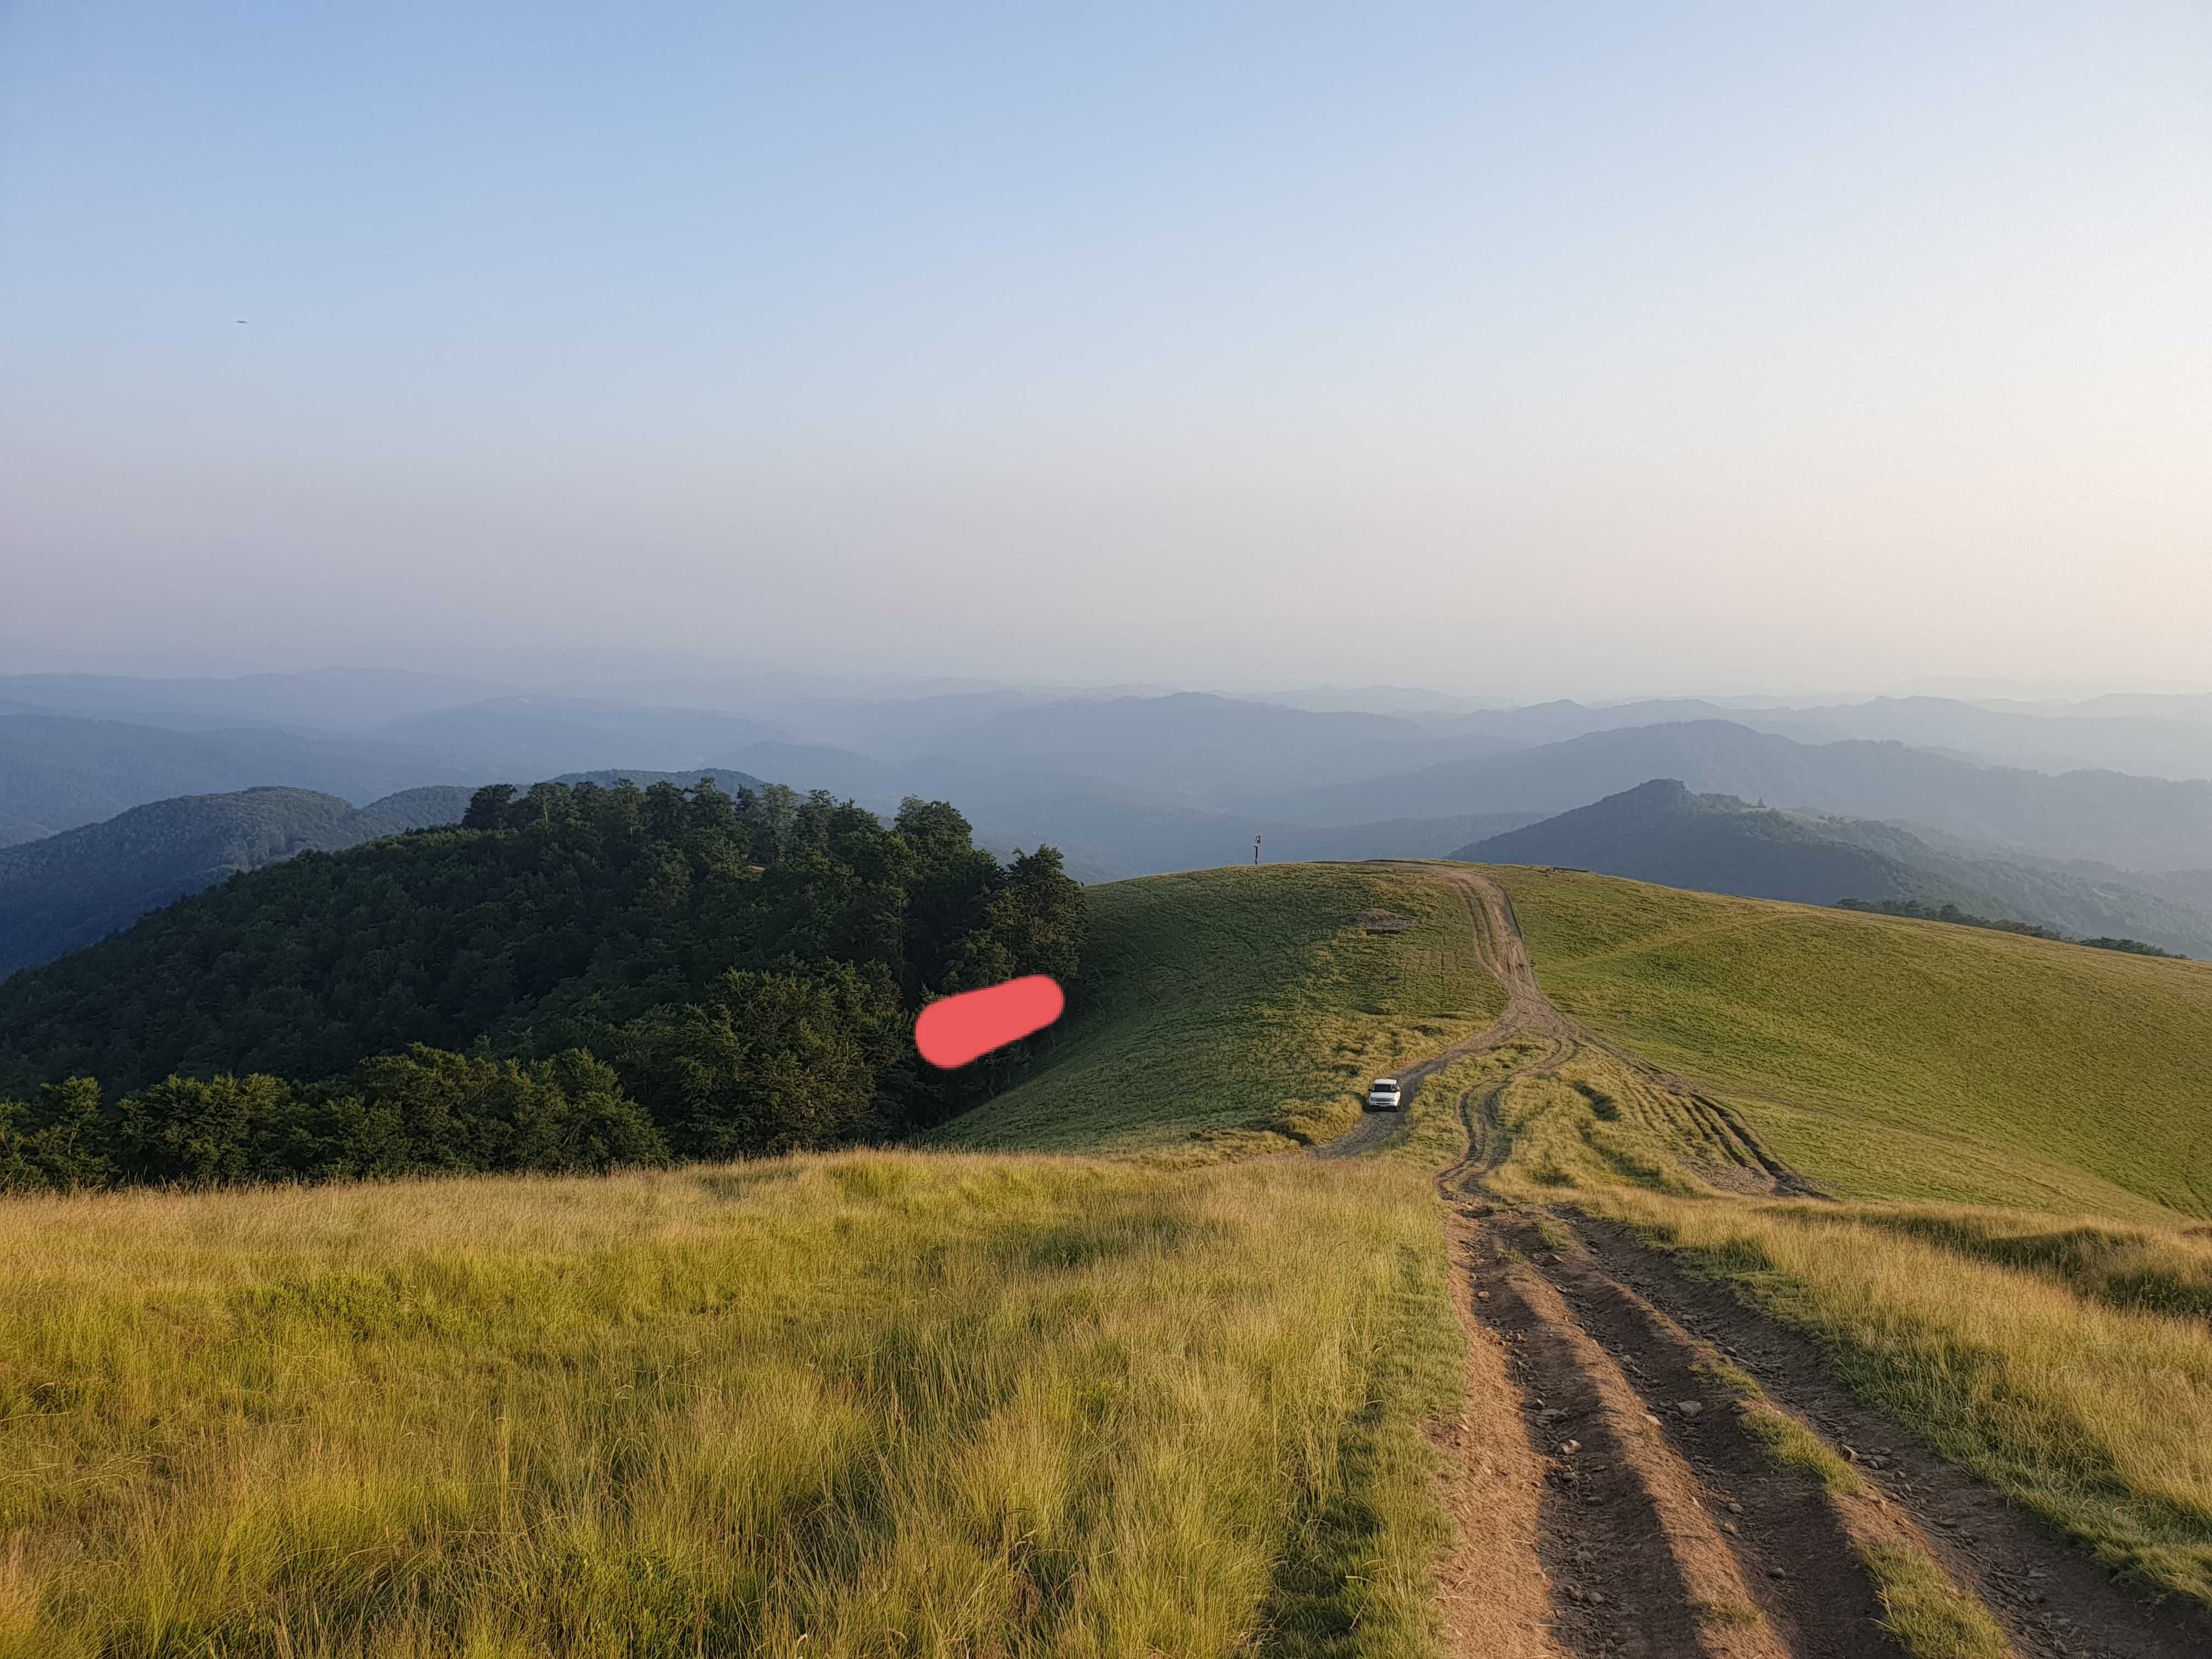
[(2092, 816)]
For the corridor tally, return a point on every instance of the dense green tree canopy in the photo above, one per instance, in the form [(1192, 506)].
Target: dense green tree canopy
[(706, 975)]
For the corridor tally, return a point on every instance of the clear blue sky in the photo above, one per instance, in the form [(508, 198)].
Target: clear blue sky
[(1712, 347)]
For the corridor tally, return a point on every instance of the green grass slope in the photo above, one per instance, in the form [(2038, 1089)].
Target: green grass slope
[(1896, 1059), (1244, 1009)]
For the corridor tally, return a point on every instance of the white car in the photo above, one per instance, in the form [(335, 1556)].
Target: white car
[(1385, 1096)]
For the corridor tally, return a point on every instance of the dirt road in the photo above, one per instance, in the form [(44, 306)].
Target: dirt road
[(1616, 1494), (1528, 1013)]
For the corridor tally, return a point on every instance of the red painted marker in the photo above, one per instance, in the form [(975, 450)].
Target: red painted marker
[(954, 1031)]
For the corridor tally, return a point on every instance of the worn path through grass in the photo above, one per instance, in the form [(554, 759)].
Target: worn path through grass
[(2063, 1359)]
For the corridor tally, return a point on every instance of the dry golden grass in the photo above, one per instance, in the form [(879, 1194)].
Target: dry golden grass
[(2158, 1269), (1927, 1612), (873, 1404), (2099, 1417)]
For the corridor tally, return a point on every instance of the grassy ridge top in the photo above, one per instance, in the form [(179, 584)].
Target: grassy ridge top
[(1897, 1059), (1248, 1007)]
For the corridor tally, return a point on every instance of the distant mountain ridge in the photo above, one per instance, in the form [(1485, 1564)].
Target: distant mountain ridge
[(537, 737), (1195, 749), (77, 887), (2156, 736), (1661, 832), (1107, 831), (1138, 781), (2135, 823), (60, 771)]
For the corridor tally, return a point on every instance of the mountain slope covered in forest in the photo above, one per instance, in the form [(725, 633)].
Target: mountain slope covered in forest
[(69, 890), (749, 965)]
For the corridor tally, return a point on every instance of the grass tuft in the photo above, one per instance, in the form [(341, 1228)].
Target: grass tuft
[(1729, 1615), (1792, 1445), (1927, 1612)]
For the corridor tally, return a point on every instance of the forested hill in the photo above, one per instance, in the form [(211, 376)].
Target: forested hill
[(747, 965), (66, 890)]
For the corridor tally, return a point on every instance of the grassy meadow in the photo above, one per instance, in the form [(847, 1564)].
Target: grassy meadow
[(1240, 1010), (880, 1404), (1887, 1057)]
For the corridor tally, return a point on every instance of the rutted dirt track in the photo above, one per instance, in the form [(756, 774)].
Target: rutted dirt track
[(1529, 1012), (1614, 1498)]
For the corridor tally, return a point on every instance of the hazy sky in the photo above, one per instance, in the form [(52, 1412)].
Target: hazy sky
[(1526, 349)]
